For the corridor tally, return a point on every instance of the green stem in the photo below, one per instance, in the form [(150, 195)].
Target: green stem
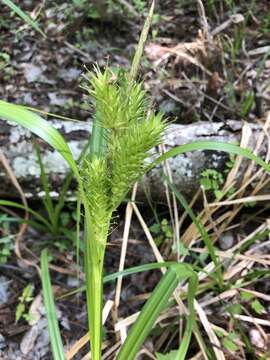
[(95, 296), (94, 256)]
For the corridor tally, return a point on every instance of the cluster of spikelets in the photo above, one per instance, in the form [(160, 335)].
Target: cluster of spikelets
[(130, 132)]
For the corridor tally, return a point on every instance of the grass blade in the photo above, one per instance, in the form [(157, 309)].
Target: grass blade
[(14, 204), (40, 127), (211, 145), (48, 203), (126, 272), (155, 305), (54, 332), (61, 197), (139, 51), (138, 269), (201, 229), (23, 16)]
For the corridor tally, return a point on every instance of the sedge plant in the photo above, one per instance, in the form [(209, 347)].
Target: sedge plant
[(125, 131)]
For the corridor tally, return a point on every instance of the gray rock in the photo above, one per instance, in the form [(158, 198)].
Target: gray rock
[(32, 72), (29, 339), (3, 343), (226, 240), (4, 289)]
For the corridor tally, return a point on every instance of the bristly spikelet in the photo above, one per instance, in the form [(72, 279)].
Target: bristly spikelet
[(108, 102), (128, 154), (96, 185), (116, 102), (121, 108), (133, 100)]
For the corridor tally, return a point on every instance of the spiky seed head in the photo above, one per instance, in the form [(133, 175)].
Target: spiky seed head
[(131, 133), (96, 186)]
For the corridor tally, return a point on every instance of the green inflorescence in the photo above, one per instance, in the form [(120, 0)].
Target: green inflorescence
[(130, 132)]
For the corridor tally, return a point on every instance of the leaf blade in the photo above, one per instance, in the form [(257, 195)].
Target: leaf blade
[(24, 16), (40, 127), (211, 145), (54, 332), (155, 305)]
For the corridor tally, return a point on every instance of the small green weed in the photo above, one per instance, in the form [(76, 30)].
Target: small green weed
[(213, 180), (6, 247), (229, 342), (6, 241), (24, 300), (140, 6), (162, 231), (251, 300)]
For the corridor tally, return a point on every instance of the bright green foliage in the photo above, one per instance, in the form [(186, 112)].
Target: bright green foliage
[(163, 231), (96, 185), (6, 246), (4, 60), (93, 262), (229, 342), (116, 105), (40, 127), (246, 296), (155, 305), (24, 299), (140, 5), (170, 356), (129, 151), (254, 302), (257, 307), (212, 180), (7, 238), (6, 241), (124, 132), (235, 309), (129, 130), (53, 327)]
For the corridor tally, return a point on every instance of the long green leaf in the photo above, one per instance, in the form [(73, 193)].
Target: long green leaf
[(48, 203), (40, 127), (138, 269), (155, 305), (139, 51), (182, 271), (54, 332), (210, 145), (126, 272), (14, 204), (62, 195), (201, 229), (94, 253), (23, 16)]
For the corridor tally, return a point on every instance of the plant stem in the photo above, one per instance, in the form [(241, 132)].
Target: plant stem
[(94, 257), (95, 295)]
